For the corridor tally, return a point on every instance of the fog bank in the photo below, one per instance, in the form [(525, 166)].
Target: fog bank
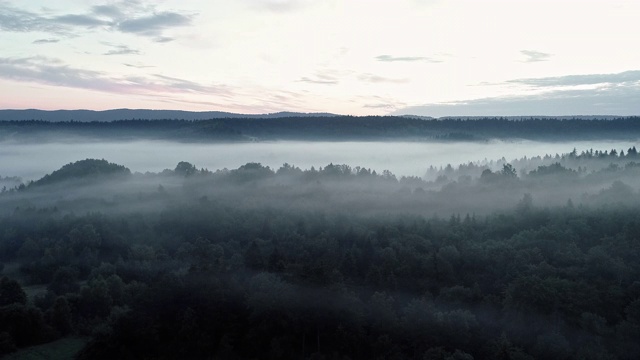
[(32, 160)]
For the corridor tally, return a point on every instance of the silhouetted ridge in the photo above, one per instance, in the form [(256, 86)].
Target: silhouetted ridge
[(130, 114), (328, 128)]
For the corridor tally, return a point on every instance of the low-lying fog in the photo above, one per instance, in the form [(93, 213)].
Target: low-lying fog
[(31, 161)]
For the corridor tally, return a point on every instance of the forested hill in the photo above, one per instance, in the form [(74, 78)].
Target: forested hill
[(306, 127)]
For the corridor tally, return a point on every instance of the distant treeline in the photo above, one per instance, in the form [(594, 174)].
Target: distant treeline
[(332, 128), (587, 161)]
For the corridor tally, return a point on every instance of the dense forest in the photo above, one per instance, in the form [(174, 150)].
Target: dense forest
[(328, 128), (534, 259)]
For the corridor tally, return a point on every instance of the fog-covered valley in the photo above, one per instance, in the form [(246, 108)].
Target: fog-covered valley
[(25, 159), (319, 180), (393, 185), (423, 250)]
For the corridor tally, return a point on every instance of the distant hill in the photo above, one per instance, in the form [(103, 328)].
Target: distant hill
[(147, 114), (315, 128), (131, 114), (543, 117), (84, 169)]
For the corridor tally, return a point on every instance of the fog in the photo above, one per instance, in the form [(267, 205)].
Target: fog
[(31, 161), (454, 260), (92, 186)]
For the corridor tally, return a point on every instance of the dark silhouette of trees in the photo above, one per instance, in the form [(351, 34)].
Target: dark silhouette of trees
[(185, 169), (11, 292), (83, 169), (333, 128)]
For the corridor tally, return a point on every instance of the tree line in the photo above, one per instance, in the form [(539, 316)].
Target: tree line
[(330, 128)]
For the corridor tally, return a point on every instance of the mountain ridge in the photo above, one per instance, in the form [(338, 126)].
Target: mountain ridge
[(82, 115)]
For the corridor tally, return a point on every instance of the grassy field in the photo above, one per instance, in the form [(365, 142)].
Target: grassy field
[(61, 349)]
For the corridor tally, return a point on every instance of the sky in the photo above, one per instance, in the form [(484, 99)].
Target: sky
[(358, 57)]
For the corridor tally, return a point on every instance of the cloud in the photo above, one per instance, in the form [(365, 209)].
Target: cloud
[(79, 20), (587, 94), (121, 50), (318, 81), (279, 5), (381, 106), (48, 71), (155, 87), (535, 56), (185, 85), (389, 58), (324, 77), (111, 11), (577, 80), (138, 66), (163, 39), (45, 41), (16, 20), (379, 79), (380, 103), (153, 25), (130, 17), (616, 100), (332, 77)]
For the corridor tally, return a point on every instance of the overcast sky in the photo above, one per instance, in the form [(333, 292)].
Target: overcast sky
[(424, 57)]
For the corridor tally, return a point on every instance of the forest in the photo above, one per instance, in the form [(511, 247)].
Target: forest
[(532, 259), (327, 128)]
